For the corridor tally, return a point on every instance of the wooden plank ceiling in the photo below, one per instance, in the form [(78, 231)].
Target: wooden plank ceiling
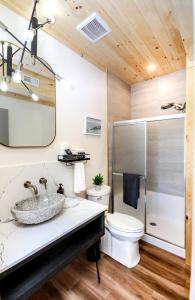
[(143, 32)]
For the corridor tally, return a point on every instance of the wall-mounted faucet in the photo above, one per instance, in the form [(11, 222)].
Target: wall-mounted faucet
[(43, 180), (29, 185)]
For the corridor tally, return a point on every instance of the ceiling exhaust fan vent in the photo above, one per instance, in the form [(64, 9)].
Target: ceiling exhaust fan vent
[(94, 28)]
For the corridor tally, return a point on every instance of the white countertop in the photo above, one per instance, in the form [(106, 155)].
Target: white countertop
[(17, 241)]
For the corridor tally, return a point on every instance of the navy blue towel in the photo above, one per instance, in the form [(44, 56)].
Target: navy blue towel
[(131, 185)]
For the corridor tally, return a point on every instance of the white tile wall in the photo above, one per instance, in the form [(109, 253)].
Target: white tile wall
[(13, 178)]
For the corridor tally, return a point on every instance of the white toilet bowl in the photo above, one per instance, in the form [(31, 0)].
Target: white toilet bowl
[(123, 233)]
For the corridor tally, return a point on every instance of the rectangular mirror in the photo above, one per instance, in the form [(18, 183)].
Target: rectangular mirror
[(27, 108)]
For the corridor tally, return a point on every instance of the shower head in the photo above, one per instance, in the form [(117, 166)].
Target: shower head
[(177, 106), (180, 107), (168, 105)]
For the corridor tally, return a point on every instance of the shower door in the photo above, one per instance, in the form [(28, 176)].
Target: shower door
[(129, 156), (165, 196)]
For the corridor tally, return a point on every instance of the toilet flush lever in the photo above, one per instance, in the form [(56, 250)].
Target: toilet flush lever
[(43, 180)]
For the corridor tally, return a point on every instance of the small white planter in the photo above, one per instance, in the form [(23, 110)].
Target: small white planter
[(98, 187)]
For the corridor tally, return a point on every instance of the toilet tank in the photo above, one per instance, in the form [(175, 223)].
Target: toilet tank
[(100, 196)]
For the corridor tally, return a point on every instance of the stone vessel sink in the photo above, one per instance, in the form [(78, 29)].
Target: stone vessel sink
[(38, 209)]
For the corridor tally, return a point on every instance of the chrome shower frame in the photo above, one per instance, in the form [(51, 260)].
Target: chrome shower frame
[(110, 175)]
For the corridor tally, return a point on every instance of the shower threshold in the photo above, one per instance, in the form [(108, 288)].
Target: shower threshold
[(164, 245)]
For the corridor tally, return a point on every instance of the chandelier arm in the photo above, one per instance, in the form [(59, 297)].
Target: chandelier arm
[(29, 26), (9, 61), (48, 68), (28, 89), (3, 60), (39, 59), (8, 31), (24, 84), (33, 12), (42, 25), (15, 52)]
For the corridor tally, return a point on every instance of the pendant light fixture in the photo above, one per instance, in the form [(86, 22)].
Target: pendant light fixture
[(30, 35), (3, 84), (34, 96), (9, 62), (17, 77)]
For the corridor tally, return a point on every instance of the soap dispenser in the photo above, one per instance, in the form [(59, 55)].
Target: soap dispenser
[(60, 189)]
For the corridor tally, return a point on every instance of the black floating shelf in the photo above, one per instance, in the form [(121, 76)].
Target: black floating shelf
[(70, 160)]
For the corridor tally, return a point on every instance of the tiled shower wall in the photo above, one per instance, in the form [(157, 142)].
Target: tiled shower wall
[(148, 96)]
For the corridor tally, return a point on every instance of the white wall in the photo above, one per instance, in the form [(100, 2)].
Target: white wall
[(87, 98), (192, 285)]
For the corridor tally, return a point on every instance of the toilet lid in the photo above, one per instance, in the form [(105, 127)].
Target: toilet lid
[(124, 222)]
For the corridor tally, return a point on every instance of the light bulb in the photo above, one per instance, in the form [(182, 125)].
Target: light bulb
[(3, 85), (29, 35), (51, 19), (17, 77), (34, 96), (151, 67)]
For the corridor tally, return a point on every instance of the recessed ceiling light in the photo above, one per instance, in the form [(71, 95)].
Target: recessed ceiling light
[(151, 67)]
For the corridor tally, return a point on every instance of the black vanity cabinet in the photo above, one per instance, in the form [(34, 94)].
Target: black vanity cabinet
[(22, 280)]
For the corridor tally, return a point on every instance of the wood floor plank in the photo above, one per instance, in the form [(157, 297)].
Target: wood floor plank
[(159, 276)]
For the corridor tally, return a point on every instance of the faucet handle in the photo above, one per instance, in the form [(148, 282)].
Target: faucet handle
[(43, 180), (27, 183)]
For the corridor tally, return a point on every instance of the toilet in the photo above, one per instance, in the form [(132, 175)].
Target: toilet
[(122, 232)]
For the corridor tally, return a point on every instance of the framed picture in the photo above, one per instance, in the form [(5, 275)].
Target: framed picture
[(92, 126)]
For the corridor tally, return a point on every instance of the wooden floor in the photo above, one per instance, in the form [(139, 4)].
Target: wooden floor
[(159, 275)]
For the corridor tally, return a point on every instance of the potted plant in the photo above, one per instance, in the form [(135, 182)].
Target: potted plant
[(98, 181)]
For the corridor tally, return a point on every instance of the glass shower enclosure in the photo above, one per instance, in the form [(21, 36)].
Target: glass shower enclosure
[(154, 149)]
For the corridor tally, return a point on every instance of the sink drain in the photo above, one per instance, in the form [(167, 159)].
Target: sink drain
[(153, 224)]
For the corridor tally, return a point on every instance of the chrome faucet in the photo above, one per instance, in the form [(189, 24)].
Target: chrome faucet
[(29, 185)]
